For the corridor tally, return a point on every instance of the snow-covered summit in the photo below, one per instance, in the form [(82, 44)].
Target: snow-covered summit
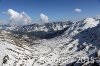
[(90, 22)]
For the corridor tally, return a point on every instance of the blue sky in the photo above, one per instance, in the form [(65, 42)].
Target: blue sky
[(54, 9)]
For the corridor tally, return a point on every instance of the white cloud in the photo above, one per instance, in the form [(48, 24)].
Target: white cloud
[(15, 16), (78, 10), (44, 18)]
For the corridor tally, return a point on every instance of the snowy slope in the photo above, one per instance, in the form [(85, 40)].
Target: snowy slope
[(80, 40)]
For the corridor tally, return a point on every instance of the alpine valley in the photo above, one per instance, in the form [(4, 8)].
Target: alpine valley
[(51, 44)]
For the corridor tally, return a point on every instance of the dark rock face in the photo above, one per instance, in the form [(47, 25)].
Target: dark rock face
[(5, 59)]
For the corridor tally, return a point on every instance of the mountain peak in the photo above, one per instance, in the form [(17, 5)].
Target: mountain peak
[(90, 22)]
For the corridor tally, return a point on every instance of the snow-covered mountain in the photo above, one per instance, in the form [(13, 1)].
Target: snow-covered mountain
[(71, 44), (54, 26)]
